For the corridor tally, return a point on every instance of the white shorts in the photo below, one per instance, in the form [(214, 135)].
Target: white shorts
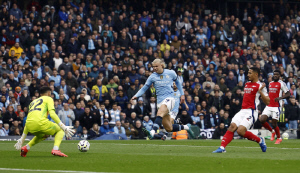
[(273, 112), (169, 102), (246, 118), (173, 114)]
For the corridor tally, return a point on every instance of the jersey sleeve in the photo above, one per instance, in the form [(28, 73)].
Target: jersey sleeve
[(177, 82), (284, 87), (51, 110), (264, 90), (145, 87), (50, 104)]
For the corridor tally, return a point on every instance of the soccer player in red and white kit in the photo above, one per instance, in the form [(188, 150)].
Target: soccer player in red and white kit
[(246, 117), (276, 88)]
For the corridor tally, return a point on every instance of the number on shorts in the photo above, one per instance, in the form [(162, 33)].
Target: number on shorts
[(40, 101)]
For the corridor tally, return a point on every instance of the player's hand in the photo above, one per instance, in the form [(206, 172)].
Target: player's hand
[(69, 131), (182, 99), (262, 87), (277, 99), (133, 98), (19, 144)]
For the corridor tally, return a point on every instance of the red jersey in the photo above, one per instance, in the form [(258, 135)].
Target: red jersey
[(251, 95), (275, 90)]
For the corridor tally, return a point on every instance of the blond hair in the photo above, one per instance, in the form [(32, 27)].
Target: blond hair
[(160, 61)]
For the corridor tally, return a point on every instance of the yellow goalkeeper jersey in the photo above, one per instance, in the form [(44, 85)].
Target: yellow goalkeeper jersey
[(38, 110)]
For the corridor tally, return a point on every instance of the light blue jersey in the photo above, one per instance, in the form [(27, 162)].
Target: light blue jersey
[(177, 101), (163, 85)]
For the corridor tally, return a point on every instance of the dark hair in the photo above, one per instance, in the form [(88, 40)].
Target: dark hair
[(43, 90), (276, 71), (255, 69)]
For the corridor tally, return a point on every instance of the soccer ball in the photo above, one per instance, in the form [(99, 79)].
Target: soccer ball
[(285, 135), (83, 146)]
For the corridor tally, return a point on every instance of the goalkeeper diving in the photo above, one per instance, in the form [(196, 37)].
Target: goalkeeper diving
[(39, 125)]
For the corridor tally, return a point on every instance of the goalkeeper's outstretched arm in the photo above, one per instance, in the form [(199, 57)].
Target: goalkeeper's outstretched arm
[(67, 129)]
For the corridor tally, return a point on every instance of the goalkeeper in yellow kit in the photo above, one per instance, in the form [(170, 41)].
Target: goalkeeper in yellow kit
[(38, 124)]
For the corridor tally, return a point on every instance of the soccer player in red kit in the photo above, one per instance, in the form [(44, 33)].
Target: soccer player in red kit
[(276, 88), (246, 117)]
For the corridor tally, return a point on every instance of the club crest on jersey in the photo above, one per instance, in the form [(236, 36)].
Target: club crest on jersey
[(161, 77)]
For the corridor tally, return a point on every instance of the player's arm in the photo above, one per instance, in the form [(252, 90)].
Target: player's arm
[(286, 92), (67, 129), (179, 86), (264, 95), (143, 89), (20, 141), (286, 95)]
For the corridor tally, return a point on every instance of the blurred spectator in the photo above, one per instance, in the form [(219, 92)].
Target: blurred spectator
[(137, 132), (105, 128), (94, 132), (220, 131), (147, 123), (2, 130), (118, 129), (292, 113), (66, 115)]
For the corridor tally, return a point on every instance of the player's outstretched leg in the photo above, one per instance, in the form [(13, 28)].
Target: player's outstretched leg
[(242, 131), (227, 138), (263, 119), (57, 141), (38, 138)]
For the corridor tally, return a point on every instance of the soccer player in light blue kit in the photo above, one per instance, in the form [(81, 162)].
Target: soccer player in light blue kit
[(163, 81), (173, 114)]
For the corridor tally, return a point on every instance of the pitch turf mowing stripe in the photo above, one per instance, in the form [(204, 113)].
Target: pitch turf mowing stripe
[(39, 170)]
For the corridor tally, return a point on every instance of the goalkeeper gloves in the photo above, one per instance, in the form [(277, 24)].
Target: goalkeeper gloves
[(67, 129), (20, 142)]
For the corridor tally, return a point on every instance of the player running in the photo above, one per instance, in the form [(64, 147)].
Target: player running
[(173, 114), (273, 110), (163, 81), (246, 117), (38, 124)]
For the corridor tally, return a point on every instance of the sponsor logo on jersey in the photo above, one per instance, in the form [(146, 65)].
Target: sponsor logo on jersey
[(167, 76)]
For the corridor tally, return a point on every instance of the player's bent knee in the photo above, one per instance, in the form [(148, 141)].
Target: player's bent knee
[(168, 129), (263, 118), (241, 131)]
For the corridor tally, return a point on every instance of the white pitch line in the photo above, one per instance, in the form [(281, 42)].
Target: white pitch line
[(40, 170), (202, 146)]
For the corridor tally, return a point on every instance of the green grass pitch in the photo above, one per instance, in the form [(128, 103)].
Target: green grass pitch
[(155, 156)]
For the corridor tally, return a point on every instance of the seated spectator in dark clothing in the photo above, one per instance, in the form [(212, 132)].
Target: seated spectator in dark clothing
[(226, 120), (220, 131), (78, 128), (106, 129), (203, 123), (94, 132), (231, 81), (133, 118), (141, 108), (137, 131), (87, 119), (9, 116), (128, 129), (185, 118), (15, 125), (121, 99)]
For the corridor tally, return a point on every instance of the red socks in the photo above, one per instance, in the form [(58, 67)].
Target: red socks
[(277, 131), (251, 137), (227, 138), (267, 126)]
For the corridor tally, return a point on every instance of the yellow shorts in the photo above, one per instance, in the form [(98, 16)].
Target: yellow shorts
[(48, 128)]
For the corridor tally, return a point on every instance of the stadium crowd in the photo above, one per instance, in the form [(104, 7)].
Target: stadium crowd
[(95, 55)]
